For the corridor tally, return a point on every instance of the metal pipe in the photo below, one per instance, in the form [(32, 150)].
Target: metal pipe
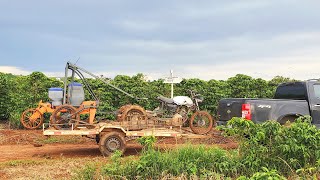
[(65, 83), (74, 67)]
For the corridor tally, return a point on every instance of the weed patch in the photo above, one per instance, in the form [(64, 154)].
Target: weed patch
[(14, 163), (62, 140)]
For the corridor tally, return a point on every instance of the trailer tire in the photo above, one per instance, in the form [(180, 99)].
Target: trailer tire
[(111, 142)]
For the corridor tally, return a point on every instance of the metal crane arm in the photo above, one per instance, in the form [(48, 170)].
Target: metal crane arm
[(78, 70)]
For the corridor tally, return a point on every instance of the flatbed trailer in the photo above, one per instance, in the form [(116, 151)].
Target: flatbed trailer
[(111, 137)]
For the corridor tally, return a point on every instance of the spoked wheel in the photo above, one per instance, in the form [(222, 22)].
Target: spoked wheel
[(135, 114), (111, 142), (132, 113), (64, 117), (31, 119), (201, 122)]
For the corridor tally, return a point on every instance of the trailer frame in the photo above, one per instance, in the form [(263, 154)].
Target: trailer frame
[(111, 137)]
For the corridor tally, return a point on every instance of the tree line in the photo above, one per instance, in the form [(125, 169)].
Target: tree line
[(18, 92)]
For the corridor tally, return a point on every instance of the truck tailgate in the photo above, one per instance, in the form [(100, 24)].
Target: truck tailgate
[(229, 108)]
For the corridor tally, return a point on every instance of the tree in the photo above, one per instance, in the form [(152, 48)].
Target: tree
[(4, 97)]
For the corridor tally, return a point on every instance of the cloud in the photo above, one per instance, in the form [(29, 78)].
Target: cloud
[(20, 71), (301, 68), (202, 39), (14, 70), (133, 25)]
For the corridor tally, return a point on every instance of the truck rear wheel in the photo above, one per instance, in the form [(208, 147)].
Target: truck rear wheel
[(288, 120), (111, 142)]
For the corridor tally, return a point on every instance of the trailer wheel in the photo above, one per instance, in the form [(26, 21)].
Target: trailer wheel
[(111, 142), (201, 122), (31, 118)]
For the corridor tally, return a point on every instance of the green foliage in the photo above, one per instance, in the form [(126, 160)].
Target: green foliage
[(266, 151), (86, 173), (188, 160), (147, 141), (26, 91), (273, 146), (264, 175), (4, 97), (18, 93)]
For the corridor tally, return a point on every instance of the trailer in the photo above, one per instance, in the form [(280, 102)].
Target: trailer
[(113, 136), (69, 108)]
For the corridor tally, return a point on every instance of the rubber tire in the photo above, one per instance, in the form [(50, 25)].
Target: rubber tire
[(54, 116), (205, 113), (119, 136), (25, 125), (284, 120)]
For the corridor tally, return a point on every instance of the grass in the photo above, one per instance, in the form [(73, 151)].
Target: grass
[(14, 163), (62, 168), (187, 161), (62, 140)]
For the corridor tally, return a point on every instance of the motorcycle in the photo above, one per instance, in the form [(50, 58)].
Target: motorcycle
[(200, 122)]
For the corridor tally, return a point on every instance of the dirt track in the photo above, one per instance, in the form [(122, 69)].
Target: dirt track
[(53, 151), (22, 144)]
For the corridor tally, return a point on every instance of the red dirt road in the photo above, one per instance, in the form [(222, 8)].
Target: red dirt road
[(53, 151), (21, 144)]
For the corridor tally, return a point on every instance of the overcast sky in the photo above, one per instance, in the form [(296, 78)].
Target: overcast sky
[(207, 39)]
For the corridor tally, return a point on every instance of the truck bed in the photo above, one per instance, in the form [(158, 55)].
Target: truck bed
[(261, 109)]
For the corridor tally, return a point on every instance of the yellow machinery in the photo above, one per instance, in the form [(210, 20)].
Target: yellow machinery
[(33, 118)]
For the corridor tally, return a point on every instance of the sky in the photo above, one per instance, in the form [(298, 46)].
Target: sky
[(207, 39)]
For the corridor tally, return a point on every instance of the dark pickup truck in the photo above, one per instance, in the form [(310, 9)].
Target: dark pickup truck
[(291, 100)]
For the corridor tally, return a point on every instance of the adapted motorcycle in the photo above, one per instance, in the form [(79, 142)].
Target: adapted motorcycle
[(200, 122)]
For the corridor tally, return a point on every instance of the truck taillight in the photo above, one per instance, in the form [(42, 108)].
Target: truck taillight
[(246, 111)]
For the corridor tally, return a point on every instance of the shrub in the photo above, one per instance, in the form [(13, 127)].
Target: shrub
[(270, 145), (188, 160)]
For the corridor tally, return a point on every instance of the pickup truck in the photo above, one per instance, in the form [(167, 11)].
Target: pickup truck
[(290, 101)]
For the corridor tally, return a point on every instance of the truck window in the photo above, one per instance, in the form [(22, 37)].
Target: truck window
[(291, 91), (316, 88)]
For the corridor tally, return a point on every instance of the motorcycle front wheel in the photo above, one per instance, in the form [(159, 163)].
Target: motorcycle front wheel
[(201, 122)]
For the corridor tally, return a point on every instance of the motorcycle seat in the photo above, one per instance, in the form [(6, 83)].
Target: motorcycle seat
[(166, 100)]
